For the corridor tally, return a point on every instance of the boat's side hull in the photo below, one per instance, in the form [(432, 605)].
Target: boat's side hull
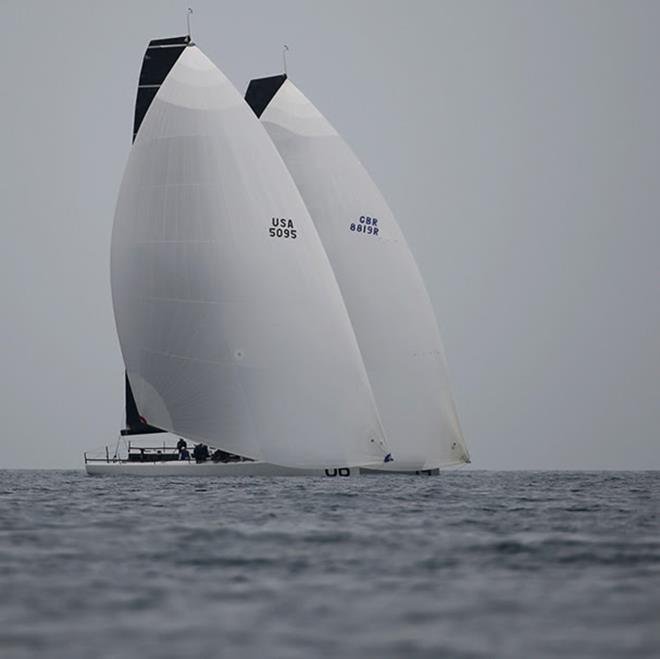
[(224, 470), (215, 470), (418, 472)]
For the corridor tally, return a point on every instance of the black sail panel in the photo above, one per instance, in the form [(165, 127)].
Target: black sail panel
[(260, 92), (135, 424), (159, 58)]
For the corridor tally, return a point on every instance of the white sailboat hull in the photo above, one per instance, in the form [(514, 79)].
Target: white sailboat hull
[(228, 470), (209, 469)]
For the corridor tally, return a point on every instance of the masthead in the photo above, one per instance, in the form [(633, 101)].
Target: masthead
[(190, 11)]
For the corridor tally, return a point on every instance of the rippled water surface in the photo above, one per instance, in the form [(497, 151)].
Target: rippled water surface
[(467, 564)]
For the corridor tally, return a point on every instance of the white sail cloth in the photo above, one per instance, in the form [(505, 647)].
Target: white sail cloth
[(230, 320), (379, 279)]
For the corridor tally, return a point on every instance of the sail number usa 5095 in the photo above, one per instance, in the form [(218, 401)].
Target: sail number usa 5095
[(282, 228)]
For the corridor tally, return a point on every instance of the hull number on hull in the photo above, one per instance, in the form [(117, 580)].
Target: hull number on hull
[(365, 225), (342, 471)]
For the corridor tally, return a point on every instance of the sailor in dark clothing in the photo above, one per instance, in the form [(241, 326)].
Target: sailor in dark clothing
[(182, 448), (201, 453)]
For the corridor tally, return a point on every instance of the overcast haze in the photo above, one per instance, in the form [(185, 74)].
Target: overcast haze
[(518, 144)]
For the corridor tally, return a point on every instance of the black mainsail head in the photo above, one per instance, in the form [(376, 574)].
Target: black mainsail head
[(261, 91), (159, 58)]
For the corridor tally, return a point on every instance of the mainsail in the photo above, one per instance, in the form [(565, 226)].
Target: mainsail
[(230, 319), (158, 60), (379, 279)]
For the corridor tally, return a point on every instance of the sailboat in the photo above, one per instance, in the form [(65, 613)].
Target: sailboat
[(233, 329), (379, 279), (265, 299)]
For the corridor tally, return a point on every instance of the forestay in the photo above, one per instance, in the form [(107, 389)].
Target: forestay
[(230, 320), (379, 279)]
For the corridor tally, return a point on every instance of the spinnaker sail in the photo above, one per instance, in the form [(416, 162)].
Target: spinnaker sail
[(230, 319), (379, 279)]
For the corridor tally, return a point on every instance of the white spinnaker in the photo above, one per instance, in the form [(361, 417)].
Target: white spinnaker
[(379, 279), (229, 335)]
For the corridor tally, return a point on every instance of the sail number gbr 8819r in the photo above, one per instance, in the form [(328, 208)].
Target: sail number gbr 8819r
[(282, 228), (365, 225)]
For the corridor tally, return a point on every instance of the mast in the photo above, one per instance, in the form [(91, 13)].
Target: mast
[(188, 14)]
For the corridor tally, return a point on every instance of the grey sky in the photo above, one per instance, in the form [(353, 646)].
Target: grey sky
[(518, 144)]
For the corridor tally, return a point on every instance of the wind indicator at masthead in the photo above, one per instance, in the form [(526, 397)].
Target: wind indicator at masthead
[(188, 13)]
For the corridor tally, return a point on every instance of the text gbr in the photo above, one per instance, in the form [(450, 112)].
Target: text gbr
[(366, 225)]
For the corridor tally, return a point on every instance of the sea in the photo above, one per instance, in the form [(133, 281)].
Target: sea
[(522, 564)]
